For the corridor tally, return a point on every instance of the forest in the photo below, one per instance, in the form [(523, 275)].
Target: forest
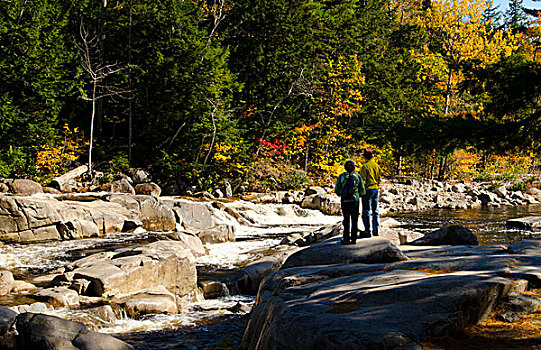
[(269, 94)]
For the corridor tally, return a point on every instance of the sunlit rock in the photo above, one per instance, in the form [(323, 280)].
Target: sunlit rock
[(59, 297), (6, 281), (129, 270)]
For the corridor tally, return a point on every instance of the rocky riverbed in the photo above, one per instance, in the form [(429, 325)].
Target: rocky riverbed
[(126, 262)]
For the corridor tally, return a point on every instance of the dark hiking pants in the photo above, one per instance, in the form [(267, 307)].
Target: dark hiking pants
[(350, 210)]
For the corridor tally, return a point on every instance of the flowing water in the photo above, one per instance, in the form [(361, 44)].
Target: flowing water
[(217, 323), (487, 223)]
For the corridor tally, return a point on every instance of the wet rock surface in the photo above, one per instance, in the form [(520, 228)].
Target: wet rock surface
[(391, 305)]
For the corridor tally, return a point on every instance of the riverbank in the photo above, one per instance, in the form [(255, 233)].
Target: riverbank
[(235, 243)]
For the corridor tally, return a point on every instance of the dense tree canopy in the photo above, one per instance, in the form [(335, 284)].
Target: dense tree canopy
[(263, 91)]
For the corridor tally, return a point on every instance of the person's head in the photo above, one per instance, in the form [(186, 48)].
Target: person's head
[(349, 166), (367, 154)]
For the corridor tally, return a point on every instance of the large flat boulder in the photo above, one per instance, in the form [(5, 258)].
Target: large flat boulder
[(331, 251), (26, 219), (128, 270), (33, 219), (395, 305)]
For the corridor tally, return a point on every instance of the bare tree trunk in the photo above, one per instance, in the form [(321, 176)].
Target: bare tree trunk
[(214, 129), (306, 157), (443, 165), (92, 127)]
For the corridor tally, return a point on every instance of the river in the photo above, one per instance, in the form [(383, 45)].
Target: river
[(218, 323)]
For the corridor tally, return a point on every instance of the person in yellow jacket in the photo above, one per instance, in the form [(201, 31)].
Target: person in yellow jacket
[(371, 175), (349, 186)]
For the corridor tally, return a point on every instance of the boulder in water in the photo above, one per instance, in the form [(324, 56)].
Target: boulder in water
[(155, 300), (128, 270), (448, 235), (530, 223), (40, 331), (59, 297)]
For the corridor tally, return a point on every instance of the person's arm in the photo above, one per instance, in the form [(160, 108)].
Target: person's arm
[(338, 186), (361, 188)]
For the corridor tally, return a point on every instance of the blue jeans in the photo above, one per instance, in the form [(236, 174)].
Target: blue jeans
[(370, 207)]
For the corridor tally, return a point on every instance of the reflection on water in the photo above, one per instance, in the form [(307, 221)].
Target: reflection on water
[(487, 223), (219, 333)]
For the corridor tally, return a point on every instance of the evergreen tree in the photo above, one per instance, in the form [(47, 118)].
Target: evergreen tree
[(515, 18)]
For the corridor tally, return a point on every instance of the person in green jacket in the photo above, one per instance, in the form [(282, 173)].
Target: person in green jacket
[(371, 174), (349, 186)]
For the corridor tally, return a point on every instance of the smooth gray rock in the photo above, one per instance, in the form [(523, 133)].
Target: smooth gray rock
[(21, 286), (449, 235), (40, 331), (326, 203), (191, 241), (438, 291), (99, 341), (152, 212), (32, 219), (307, 308), (35, 328), (530, 223), (213, 289), (366, 251)]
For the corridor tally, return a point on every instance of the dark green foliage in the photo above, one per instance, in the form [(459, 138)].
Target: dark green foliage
[(201, 84)]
